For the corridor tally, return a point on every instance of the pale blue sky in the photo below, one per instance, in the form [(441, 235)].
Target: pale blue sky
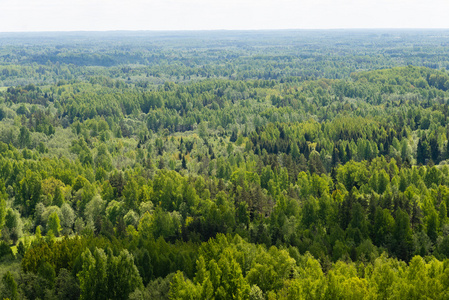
[(65, 15)]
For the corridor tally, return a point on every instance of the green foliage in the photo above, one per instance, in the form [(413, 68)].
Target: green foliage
[(29, 191), (93, 277), (106, 276), (53, 223), (9, 290), (226, 167), (2, 212), (5, 250), (13, 225)]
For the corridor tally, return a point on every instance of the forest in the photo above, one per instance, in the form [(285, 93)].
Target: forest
[(224, 165)]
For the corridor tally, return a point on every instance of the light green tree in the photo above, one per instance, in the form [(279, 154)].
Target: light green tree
[(54, 223)]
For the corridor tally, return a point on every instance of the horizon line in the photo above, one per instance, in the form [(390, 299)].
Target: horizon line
[(232, 30)]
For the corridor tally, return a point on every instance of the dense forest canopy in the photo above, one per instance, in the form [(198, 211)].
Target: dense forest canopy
[(151, 58), (224, 165)]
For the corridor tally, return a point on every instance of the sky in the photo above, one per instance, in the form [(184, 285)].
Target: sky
[(101, 15)]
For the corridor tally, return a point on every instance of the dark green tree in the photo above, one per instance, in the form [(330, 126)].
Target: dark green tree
[(9, 287)]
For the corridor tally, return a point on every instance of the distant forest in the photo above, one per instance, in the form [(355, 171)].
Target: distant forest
[(224, 165)]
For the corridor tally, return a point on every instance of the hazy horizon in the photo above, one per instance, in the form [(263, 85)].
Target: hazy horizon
[(199, 15), (226, 30)]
